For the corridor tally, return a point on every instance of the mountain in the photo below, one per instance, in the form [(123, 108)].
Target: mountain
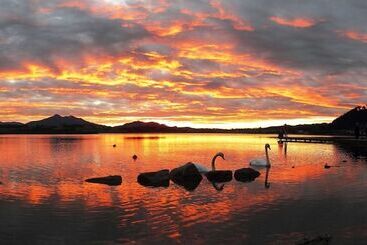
[(11, 124), (351, 118), (61, 125), (145, 127), (153, 127), (57, 124), (60, 121)]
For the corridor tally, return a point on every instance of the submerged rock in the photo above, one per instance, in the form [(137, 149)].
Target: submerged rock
[(219, 176), (154, 179), (187, 176), (246, 174), (107, 180), (189, 184), (186, 171), (318, 240)]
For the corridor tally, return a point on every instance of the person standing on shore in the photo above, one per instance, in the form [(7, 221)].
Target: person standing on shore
[(282, 133), (285, 131)]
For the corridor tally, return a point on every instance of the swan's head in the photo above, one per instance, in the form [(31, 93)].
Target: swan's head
[(220, 154), (267, 146)]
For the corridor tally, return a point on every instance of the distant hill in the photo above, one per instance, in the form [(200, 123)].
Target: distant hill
[(54, 124), (57, 124), (11, 124), (60, 121), (153, 127), (351, 118), (138, 126)]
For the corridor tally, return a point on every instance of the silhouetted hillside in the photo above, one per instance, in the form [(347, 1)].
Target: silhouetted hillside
[(54, 124), (74, 125), (59, 121), (153, 127), (138, 126), (11, 124), (351, 118)]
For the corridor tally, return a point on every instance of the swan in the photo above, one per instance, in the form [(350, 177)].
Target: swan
[(218, 175), (202, 169), (262, 162)]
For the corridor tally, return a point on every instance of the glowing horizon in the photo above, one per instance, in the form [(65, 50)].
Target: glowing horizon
[(212, 63)]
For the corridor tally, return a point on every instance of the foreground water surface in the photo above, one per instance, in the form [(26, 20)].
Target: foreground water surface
[(44, 199)]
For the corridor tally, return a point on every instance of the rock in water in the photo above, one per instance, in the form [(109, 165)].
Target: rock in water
[(219, 176), (186, 171), (246, 174), (154, 179), (318, 240), (187, 176), (107, 180)]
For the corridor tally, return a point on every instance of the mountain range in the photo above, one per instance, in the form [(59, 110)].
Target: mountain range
[(344, 124)]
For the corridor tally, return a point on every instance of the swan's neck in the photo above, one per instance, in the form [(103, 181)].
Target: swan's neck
[(213, 162), (267, 156)]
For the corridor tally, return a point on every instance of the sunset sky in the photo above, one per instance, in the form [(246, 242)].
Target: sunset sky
[(200, 63)]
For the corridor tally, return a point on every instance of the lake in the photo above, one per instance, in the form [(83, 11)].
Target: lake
[(44, 199)]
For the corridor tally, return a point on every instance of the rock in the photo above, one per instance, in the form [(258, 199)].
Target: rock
[(186, 171), (189, 184), (246, 174), (108, 180), (187, 176), (219, 176), (154, 179), (318, 240)]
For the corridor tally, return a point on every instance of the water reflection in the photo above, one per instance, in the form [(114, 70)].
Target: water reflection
[(354, 151), (189, 184), (267, 184), (217, 186), (44, 190), (282, 148)]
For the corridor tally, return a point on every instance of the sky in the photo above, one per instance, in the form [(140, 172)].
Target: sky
[(199, 63)]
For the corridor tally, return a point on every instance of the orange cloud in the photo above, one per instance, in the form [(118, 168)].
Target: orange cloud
[(192, 64), (296, 22), (357, 36)]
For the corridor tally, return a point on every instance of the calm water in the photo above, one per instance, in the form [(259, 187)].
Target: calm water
[(44, 199)]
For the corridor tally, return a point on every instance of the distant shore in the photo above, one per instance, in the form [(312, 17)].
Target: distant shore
[(351, 123)]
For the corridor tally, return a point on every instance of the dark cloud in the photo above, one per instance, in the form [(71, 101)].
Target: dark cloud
[(232, 59), (63, 35)]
